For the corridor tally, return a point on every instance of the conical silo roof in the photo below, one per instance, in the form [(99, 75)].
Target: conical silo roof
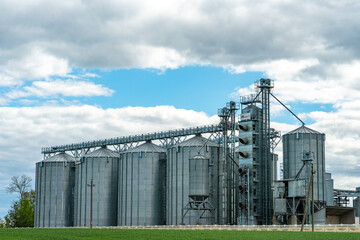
[(198, 141), (303, 129), (147, 147), (102, 152), (61, 157)]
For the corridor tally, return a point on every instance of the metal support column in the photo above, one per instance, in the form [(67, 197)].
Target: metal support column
[(265, 86)]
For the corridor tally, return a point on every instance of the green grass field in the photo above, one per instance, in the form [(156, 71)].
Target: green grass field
[(137, 234)]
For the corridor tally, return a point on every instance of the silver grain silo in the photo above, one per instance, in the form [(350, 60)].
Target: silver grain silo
[(141, 197), (304, 144), (329, 190), (101, 166), (199, 177), (178, 180), (54, 184)]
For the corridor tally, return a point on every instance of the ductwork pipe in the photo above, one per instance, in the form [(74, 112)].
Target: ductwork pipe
[(243, 154)]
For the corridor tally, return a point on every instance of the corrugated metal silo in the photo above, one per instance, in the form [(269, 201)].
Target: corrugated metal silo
[(178, 179), (100, 165), (295, 144), (142, 186), (54, 184)]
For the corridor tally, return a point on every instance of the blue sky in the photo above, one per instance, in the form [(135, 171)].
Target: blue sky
[(84, 70), (200, 88)]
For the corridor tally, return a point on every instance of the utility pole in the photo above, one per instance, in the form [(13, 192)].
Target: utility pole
[(311, 187), (312, 197), (91, 185)]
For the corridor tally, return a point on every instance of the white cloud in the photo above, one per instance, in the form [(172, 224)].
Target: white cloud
[(3, 101), (55, 88), (295, 81), (37, 64), (285, 69), (242, 92), (168, 34)]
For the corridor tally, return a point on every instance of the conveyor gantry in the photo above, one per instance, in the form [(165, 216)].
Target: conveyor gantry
[(168, 136)]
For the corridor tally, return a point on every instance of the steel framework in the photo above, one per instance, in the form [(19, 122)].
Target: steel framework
[(228, 139)]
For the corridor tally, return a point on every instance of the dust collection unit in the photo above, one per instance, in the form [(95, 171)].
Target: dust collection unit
[(218, 174)]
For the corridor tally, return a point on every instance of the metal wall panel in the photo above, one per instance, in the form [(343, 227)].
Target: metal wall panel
[(297, 188), (356, 204), (280, 206)]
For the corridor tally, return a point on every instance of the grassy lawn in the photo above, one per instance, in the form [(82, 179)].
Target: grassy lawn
[(137, 234)]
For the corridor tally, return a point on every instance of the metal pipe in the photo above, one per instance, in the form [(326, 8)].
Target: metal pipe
[(248, 193), (257, 95), (287, 109), (91, 185)]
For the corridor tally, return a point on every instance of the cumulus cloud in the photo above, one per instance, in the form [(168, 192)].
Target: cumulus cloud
[(168, 34), (67, 88), (35, 64), (295, 81)]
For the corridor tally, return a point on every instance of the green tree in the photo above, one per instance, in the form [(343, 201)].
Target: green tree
[(21, 213), (2, 223)]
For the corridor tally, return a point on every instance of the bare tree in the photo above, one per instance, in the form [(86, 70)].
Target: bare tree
[(20, 185)]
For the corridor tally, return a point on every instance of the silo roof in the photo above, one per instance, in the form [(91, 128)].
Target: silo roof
[(303, 129), (102, 152), (147, 147), (198, 141), (198, 157), (61, 157)]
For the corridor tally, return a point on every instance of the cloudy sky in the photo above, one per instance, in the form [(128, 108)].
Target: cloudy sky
[(82, 70)]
